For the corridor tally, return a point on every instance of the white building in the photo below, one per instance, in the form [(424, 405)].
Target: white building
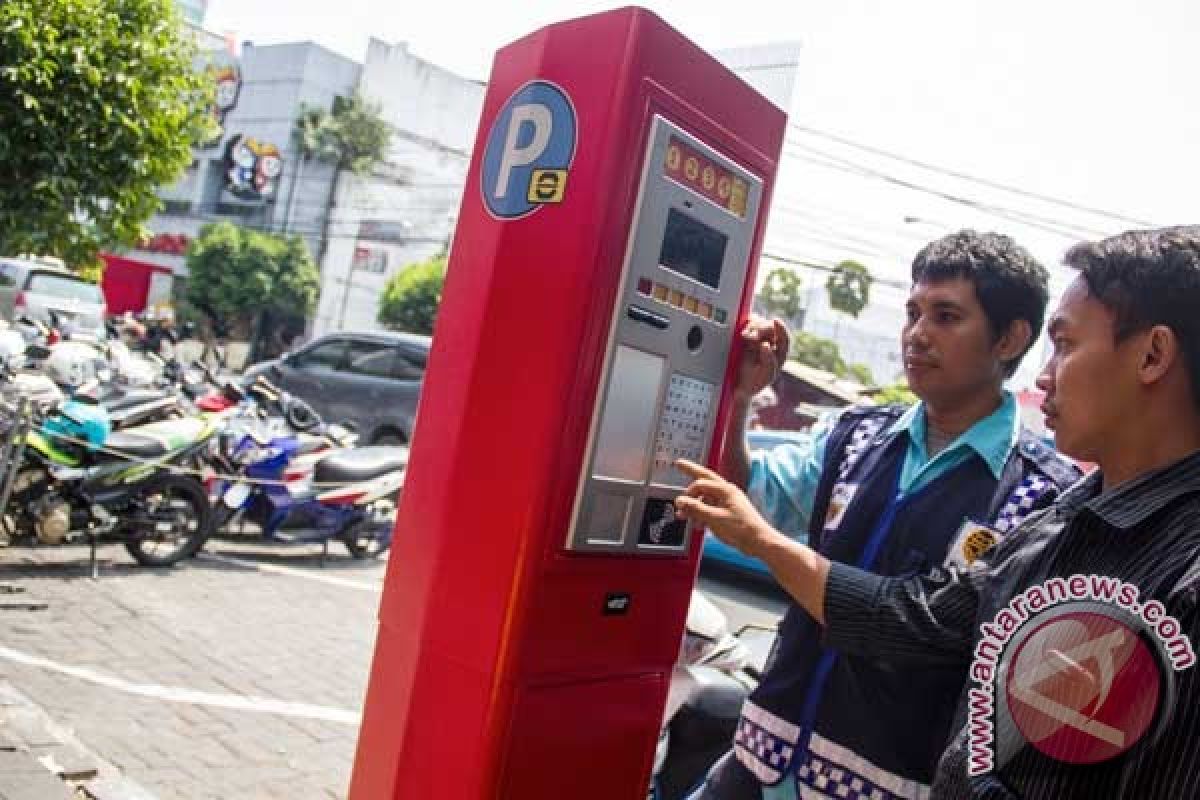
[(406, 211), (265, 89)]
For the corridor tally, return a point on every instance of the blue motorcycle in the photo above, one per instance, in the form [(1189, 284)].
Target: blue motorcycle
[(297, 488)]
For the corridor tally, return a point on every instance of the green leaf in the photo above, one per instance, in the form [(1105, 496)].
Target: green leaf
[(411, 298), (91, 87)]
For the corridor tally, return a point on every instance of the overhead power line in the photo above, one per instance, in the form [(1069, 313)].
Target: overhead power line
[(1050, 225), (972, 178)]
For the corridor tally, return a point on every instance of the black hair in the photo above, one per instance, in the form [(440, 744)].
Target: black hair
[(1147, 278), (1009, 282)]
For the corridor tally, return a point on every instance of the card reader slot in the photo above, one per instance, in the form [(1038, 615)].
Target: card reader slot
[(649, 317)]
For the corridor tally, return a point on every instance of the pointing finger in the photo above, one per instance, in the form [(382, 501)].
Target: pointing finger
[(694, 470)]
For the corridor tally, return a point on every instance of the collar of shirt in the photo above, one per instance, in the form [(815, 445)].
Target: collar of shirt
[(992, 437), (1133, 502)]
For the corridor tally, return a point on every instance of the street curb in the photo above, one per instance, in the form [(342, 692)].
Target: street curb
[(36, 749)]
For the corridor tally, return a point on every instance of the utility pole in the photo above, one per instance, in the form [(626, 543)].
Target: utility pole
[(347, 285)]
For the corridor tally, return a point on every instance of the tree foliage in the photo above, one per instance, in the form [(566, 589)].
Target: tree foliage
[(781, 294), (100, 105), (849, 287), (353, 136), (896, 393), (816, 351), (860, 373), (410, 300), (237, 274), (821, 353)]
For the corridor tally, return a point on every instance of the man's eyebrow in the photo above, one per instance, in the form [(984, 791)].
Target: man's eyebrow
[(947, 305)]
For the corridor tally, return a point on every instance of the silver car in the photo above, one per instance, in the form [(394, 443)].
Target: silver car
[(370, 380), (51, 294)]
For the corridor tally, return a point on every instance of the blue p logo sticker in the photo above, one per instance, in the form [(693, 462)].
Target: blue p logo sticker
[(529, 151)]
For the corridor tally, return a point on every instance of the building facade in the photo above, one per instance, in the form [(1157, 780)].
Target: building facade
[(405, 211), (251, 174)]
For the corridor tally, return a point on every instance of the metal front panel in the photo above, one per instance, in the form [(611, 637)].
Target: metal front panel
[(672, 328)]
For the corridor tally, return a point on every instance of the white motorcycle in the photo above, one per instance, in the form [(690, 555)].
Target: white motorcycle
[(715, 672)]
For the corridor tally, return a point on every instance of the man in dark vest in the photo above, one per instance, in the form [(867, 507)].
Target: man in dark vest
[(892, 491)]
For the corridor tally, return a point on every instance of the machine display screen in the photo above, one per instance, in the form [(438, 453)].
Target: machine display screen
[(693, 249)]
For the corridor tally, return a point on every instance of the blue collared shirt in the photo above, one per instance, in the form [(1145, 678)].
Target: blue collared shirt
[(783, 482)]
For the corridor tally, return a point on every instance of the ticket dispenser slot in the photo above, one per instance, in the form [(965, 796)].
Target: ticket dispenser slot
[(671, 332)]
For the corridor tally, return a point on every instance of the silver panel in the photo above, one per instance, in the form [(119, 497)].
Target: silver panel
[(667, 352), (628, 419)]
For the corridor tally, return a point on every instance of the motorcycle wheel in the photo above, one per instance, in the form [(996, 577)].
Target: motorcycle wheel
[(180, 503), (30, 483), (367, 538)]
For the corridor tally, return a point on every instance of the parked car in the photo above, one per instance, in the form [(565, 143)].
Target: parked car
[(716, 550), (44, 290), (371, 381)]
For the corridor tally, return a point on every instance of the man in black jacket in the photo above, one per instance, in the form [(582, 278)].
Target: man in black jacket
[(1076, 631)]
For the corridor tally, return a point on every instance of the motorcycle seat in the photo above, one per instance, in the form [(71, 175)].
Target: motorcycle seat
[(133, 398), (360, 464), (133, 444)]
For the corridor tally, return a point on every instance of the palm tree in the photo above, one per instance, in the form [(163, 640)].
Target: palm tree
[(307, 136)]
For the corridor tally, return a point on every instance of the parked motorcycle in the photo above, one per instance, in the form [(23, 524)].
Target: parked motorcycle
[(715, 672), (78, 480), (300, 487)]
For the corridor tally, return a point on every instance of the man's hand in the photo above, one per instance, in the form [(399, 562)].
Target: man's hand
[(715, 503), (764, 351), (725, 510)]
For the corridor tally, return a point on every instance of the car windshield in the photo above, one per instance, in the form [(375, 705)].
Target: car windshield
[(65, 286)]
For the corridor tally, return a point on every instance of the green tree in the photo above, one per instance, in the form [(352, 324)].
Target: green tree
[(782, 293), (410, 300), (849, 287), (860, 373), (100, 105), (352, 136), (818, 352), (239, 276), (310, 143), (896, 393), (822, 353)]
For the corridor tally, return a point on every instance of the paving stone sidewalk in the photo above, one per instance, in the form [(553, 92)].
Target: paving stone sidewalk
[(210, 680)]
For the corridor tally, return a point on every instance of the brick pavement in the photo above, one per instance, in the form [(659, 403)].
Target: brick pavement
[(206, 626)]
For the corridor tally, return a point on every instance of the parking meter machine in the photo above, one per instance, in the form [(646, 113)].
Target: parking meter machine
[(539, 578)]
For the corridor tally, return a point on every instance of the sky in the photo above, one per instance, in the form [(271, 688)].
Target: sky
[(1092, 103)]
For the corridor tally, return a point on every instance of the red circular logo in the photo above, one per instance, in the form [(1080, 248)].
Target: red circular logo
[(1083, 687)]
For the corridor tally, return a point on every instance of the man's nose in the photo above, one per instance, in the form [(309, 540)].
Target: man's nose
[(916, 334), (1045, 379)]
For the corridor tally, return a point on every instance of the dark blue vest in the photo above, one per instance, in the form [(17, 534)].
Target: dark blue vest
[(836, 720)]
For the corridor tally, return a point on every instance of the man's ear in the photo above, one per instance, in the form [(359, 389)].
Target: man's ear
[(1014, 341), (1159, 352)]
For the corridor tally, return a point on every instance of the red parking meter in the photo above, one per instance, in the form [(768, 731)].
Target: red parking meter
[(539, 580)]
